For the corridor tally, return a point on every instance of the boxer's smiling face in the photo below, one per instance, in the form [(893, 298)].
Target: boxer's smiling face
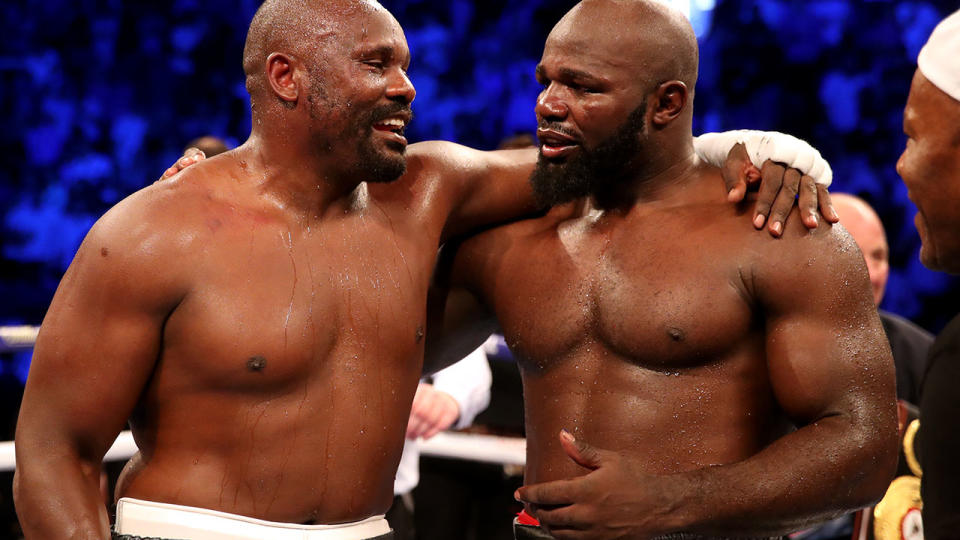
[(591, 112), (930, 168), (360, 95)]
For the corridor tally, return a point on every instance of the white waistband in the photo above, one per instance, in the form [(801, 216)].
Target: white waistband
[(147, 518)]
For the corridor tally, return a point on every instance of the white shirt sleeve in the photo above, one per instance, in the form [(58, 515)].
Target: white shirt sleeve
[(468, 381)]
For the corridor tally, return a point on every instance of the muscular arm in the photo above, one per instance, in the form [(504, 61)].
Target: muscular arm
[(831, 373), (472, 189), (95, 352)]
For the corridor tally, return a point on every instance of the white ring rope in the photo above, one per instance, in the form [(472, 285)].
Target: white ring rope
[(467, 446), (17, 337)]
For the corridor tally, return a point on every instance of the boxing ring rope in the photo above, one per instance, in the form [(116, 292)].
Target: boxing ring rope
[(17, 337), (465, 446)]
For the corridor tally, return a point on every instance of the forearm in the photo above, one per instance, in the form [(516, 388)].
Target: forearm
[(813, 474), (59, 498)]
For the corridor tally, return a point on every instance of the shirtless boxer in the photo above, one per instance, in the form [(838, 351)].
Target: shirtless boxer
[(701, 395), (260, 318)]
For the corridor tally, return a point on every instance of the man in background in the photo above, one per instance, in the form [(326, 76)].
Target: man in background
[(210, 145), (930, 168)]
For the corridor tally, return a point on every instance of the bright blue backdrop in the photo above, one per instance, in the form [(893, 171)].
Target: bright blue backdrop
[(97, 98)]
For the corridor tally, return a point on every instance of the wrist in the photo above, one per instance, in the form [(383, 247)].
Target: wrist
[(683, 502)]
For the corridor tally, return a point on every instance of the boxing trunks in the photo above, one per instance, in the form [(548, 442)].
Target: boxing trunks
[(147, 520), (526, 527)]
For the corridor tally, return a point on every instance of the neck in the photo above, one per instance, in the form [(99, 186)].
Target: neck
[(653, 175), (293, 177)]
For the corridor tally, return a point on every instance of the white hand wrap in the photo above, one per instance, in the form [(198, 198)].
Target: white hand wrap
[(763, 145)]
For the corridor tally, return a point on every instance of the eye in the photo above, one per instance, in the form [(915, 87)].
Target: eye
[(375, 64), (584, 89)]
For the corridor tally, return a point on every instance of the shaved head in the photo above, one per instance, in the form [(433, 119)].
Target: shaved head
[(651, 36), (864, 225), (301, 28)]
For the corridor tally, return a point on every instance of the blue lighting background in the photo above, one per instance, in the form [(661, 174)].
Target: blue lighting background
[(98, 97)]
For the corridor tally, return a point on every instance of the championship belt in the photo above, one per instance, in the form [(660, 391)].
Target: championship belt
[(897, 515)]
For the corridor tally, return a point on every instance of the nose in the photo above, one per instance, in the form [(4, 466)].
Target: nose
[(401, 88), (550, 106)]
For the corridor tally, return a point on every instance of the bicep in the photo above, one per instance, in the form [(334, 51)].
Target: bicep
[(826, 350), (97, 346), (491, 187)]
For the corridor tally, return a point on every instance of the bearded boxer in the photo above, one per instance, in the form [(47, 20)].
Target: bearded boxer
[(676, 385)]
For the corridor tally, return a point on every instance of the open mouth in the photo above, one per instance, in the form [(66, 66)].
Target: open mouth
[(556, 145), (393, 127)]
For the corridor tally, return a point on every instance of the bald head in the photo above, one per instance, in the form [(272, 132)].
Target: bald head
[(865, 226), (651, 37), (305, 29)]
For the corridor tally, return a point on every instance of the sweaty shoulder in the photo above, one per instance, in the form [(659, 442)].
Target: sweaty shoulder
[(161, 224), (823, 258)]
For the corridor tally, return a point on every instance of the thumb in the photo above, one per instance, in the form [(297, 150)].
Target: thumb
[(579, 451)]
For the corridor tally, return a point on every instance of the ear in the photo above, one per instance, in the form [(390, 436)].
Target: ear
[(669, 102), (281, 75)]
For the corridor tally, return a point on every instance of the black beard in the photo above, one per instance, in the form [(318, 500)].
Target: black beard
[(592, 170), (379, 167), (372, 165)]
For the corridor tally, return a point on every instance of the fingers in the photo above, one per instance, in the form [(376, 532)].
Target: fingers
[(737, 192), (826, 205), (190, 157), (807, 202), (565, 521), (784, 202), (772, 179), (581, 452), (432, 412), (415, 423), (737, 172), (169, 172), (550, 493)]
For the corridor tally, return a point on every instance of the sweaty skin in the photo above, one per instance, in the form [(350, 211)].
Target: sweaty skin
[(260, 318), (682, 355), (703, 391)]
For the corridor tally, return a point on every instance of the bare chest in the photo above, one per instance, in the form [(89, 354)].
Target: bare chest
[(269, 308), (663, 301)]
